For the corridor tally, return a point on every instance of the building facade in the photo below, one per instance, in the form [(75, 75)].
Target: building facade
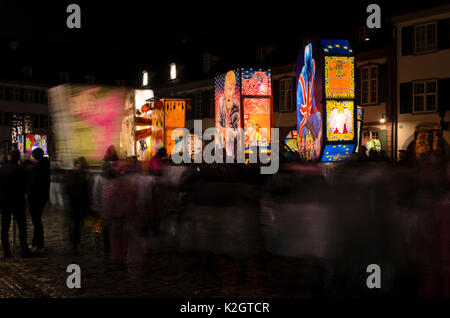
[(422, 73), (23, 106)]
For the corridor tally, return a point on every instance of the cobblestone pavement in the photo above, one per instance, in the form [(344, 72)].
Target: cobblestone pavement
[(167, 274)]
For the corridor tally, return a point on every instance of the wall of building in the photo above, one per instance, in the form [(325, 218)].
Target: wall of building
[(419, 67)]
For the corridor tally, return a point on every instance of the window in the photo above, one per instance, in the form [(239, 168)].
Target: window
[(28, 95), (425, 38), (8, 93), (36, 121), (286, 95), (369, 85), (367, 135), (5, 119), (425, 96), (64, 76), (27, 72), (42, 97), (206, 62), (198, 105), (261, 52), (36, 96), (16, 94)]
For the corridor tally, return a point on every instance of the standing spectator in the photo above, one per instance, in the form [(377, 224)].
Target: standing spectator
[(12, 202), (109, 165), (78, 194), (38, 195)]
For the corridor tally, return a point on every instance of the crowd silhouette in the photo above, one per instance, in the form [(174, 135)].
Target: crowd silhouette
[(318, 224)]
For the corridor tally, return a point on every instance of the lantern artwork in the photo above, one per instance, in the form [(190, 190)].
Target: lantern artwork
[(174, 117), (326, 113), (243, 99), (142, 123)]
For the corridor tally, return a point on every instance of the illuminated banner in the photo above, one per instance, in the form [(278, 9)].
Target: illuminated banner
[(87, 120), (339, 77), (257, 119), (175, 113), (325, 100), (340, 118), (228, 106), (33, 141), (175, 117), (309, 107), (143, 132), (255, 114), (256, 82), (333, 153), (20, 143), (157, 135)]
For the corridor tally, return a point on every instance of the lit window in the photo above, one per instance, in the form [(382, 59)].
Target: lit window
[(173, 71), (144, 78)]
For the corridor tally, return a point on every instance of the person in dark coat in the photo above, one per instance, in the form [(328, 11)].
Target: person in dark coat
[(78, 194), (12, 202), (38, 194)]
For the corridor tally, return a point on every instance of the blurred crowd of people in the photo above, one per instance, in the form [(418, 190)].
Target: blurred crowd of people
[(24, 183), (329, 221)]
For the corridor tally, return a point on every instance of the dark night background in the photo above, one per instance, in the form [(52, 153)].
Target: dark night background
[(118, 39)]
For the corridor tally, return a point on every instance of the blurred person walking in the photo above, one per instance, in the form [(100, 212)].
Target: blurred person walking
[(120, 212), (108, 172), (12, 202), (38, 195), (78, 194)]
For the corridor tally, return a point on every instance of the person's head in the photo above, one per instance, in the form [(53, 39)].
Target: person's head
[(14, 156), (229, 88), (162, 153), (80, 163), (111, 154), (37, 154)]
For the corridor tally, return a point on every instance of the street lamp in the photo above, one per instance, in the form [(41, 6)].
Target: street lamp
[(382, 120)]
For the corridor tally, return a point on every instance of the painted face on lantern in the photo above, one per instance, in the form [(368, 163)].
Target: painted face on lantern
[(230, 83)]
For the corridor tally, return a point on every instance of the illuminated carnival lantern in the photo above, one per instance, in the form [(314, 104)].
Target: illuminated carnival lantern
[(243, 99), (326, 112)]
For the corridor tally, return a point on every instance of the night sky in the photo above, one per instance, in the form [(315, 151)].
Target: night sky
[(131, 35)]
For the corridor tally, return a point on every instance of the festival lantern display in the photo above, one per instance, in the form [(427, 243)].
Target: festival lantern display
[(33, 141), (326, 111), (359, 121), (428, 138), (86, 121), (174, 117), (243, 99)]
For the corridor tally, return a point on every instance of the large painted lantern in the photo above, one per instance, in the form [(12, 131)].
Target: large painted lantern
[(326, 113), (243, 99)]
